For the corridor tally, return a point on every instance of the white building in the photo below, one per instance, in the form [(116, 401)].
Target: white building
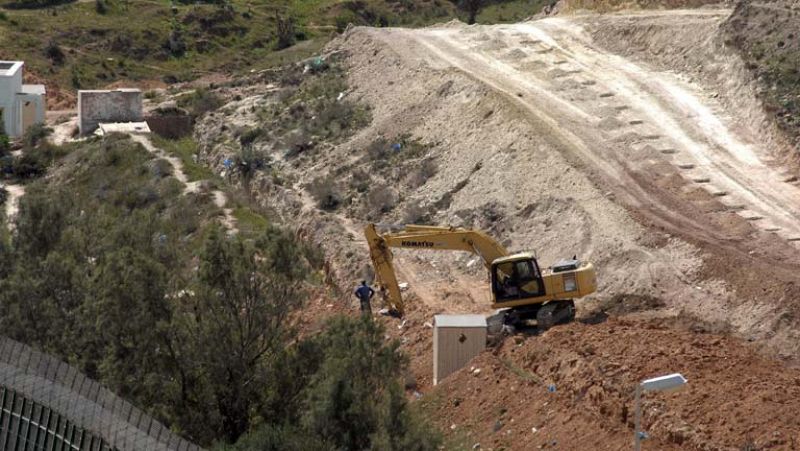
[(20, 105)]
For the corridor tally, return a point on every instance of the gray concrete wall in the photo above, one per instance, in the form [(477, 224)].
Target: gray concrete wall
[(96, 107)]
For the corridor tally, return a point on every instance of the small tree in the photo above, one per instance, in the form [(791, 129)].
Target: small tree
[(471, 7), (54, 53), (285, 31), (355, 400), (234, 326)]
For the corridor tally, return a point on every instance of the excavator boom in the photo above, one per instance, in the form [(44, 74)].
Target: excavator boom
[(424, 238), (518, 284)]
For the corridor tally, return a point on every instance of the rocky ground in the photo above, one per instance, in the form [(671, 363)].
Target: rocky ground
[(637, 141)]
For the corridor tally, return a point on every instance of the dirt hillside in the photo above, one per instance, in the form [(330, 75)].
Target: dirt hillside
[(572, 388), (542, 135), (636, 141)]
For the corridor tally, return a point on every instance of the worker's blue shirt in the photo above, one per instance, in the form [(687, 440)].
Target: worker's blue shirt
[(364, 292)]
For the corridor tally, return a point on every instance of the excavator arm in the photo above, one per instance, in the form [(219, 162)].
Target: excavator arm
[(423, 238)]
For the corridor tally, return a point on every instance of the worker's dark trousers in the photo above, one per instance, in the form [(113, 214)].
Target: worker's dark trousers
[(366, 310)]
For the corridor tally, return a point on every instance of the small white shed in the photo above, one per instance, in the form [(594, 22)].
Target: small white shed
[(456, 340)]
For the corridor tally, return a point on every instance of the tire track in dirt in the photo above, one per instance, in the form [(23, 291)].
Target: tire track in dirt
[(576, 90), (689, 133)]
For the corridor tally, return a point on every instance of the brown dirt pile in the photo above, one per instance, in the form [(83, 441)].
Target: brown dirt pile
[(734, 396)]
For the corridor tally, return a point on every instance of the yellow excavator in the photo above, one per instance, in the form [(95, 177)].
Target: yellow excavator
[(518, 284)]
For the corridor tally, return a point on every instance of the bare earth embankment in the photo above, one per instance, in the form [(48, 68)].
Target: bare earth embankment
[(631, 140)]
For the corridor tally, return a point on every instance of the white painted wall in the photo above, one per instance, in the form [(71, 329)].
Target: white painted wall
[(10, 85)]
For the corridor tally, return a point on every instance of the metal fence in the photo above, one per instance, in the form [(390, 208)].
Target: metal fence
[(79, 402), (26, 425)]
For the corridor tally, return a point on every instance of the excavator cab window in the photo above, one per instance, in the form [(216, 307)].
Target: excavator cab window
[(519, 279)]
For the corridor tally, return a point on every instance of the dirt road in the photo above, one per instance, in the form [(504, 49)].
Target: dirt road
[(551, 141), (623, 119)]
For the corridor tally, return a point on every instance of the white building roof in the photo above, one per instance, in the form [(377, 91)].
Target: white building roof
[(123, 127), (94, 91), (459, 321), (33, 89), (8, 68)]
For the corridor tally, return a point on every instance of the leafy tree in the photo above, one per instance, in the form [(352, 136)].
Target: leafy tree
[(347, 396), (235, 324), (130, 321), (355, 400), (471, 7)]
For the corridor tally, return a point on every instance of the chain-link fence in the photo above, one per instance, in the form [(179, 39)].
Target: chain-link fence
[(83, 413)]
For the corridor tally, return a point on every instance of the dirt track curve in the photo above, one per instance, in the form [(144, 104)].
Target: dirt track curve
[(619, 117)]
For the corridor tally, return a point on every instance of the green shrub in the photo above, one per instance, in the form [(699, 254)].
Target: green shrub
[(5, 144), (250, 136), (200, 102), (54, 53), (285, 32), (35, 134)]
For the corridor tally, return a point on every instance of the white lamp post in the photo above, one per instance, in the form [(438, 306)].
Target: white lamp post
[(669, 382)]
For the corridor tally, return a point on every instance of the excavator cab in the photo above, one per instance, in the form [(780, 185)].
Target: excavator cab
[(516, 277)]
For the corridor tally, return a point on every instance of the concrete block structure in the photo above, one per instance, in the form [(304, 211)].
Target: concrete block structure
[(20, 105), (456, 340), (103, 106)]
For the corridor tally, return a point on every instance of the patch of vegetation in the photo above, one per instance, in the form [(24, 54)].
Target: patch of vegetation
[(312, 108), (37, 155), (347, 395), (767, 40), (200, 102), (35, 134), (511, 11), (5, 143), (168, 311), (249, 222), (186, 150)]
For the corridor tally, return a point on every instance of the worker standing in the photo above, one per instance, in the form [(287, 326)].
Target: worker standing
[(364, 294)]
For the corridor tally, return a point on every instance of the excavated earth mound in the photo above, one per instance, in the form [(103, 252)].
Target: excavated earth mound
[(572, 388)]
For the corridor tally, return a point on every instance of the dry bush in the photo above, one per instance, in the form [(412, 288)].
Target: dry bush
[(415, 213), (422, 173), (325, 193), (382, 199), (380, 149)]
